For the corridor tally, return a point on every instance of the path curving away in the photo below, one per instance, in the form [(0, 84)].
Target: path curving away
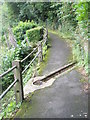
[(59, 54), (65, 98)]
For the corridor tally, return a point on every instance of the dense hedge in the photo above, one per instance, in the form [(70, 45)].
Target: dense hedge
[(20, 30), (35, 34)]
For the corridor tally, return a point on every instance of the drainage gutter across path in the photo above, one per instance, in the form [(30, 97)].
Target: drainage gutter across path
[(65, 98)]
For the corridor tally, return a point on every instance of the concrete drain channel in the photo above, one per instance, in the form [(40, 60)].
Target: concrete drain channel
[(54, 73), (41, 82)]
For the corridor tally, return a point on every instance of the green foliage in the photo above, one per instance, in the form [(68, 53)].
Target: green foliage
[(20, 52), (35, 34), (12, 12), (82, 17), (8, 111), (6, 63), (29, 73), (46, 52), (20, 30), (22, 49), (81, 57), (82, 12), (5, 19), (22, 11), (43, 10)]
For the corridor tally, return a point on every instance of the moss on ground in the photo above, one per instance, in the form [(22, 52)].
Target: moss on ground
[(45, 59), (25, 105)]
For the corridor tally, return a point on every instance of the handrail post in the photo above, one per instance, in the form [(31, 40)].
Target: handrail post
[(47, 33), (46, 36), (40, 56), (18, 87)]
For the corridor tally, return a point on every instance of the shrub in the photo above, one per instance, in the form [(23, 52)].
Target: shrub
[(35, 34), (6, 63), (8, 57), (20, 30)]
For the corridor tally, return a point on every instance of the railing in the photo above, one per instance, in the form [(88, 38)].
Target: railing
[(16, 68)]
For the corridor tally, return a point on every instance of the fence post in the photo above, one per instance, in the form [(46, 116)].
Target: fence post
[(18, 88), (40, 56), (47, 33)]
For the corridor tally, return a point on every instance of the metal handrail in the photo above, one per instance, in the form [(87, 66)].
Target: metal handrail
[(30, 63), (29, 55), (5, 92), (8, 71), (44, 42)]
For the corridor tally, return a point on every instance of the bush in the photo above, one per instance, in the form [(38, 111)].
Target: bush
[(35, 34), (20, 30), (21, 50), (6, 63), (8, 57)]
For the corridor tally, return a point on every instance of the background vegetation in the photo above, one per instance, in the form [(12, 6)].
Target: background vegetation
[(70, 18)]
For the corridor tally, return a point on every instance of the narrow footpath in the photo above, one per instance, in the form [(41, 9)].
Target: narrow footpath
[(65, 98)]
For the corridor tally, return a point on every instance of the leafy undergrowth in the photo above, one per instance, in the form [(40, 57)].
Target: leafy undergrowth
[(25, 105), (7, 109)]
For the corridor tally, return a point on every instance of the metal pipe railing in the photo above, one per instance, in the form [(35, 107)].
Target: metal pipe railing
[(5, 92), (8, 71), (30, 62), (29, 55)]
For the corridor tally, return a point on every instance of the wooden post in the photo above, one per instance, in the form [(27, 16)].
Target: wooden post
[(46, 36), (19, 95), (40, 56), (12, 38), (7, 41), (47, 33)]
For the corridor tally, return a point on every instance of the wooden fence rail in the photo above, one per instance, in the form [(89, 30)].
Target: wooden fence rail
[(16, 68)]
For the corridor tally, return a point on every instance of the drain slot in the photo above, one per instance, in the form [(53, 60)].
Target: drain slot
[(54, 73), (38, 82)]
